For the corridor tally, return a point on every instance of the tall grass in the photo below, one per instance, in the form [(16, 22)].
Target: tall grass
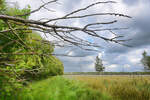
[(59, 88), (120, 87)]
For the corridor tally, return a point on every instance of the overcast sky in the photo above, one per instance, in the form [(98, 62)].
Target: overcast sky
[(115, 57)]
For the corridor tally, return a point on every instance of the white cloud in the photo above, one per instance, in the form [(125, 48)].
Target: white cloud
[(71, 53), (89, 68), (127, 66), (135, 56), (113, 66)]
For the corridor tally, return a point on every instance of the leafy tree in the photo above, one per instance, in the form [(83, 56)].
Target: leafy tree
[(34, 59), (99, 65), (146, 61)]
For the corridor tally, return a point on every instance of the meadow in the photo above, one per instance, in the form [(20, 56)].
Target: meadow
[(128, 87), (75, 87)]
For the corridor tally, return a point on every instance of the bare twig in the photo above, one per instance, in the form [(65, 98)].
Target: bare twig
[(36, 10)]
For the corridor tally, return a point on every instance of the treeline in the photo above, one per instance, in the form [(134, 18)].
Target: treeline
[(107, 73), (24, 55)]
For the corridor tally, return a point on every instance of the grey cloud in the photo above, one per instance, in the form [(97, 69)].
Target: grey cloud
[(70, 5), (142, 36), (76, 64), (74, 51), (117, 49), (131, 2), (139, 32)]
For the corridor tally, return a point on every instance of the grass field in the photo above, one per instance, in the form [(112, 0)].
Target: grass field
[(58, 88), (119, 87), (86, 88)]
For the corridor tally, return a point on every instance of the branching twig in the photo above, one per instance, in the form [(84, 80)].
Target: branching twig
[(36, 10)]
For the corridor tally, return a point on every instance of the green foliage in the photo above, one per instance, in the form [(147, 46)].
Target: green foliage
[(8, 66), (45, 65), (2, 6), (146, 61), (15, 69), (59, 88), (99, 65)]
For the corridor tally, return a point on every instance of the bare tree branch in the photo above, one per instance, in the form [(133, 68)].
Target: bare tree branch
[(88, 15), (66, 34)]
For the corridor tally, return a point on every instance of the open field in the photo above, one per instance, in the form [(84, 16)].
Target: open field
[(107, 73), (80, 87), (119, 87)]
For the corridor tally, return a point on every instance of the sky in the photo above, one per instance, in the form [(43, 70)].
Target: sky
[(115, 57)]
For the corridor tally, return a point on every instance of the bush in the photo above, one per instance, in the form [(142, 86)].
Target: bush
[(40, 66)]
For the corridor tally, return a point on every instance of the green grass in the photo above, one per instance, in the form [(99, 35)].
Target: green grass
[(87, 88), (59, 88)]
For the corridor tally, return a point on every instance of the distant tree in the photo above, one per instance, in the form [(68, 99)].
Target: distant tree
[(146, 61), (99, 65)]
